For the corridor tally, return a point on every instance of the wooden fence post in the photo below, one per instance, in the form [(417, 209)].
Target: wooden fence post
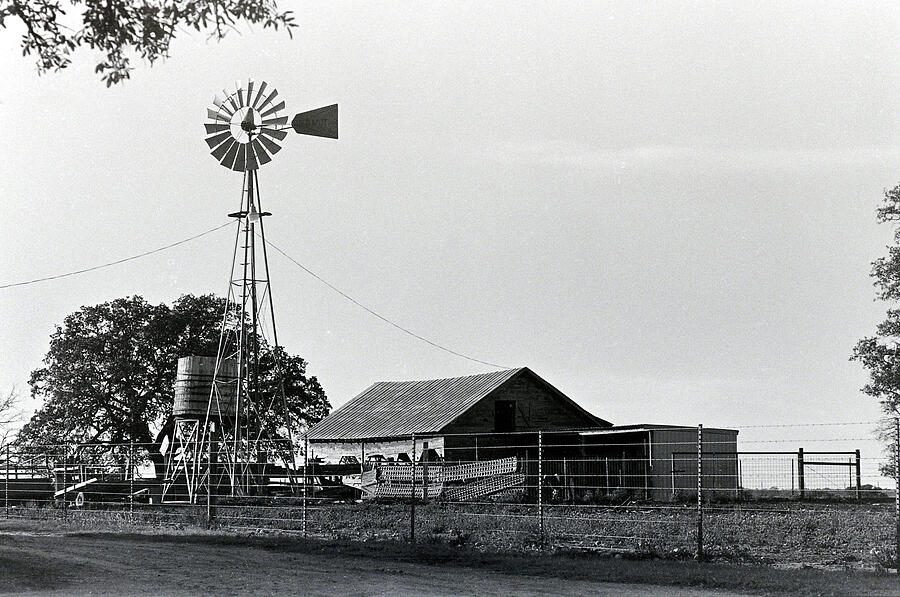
[(699, 491), (801, 482)]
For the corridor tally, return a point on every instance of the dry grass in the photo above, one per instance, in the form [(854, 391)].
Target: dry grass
[(837, 536)]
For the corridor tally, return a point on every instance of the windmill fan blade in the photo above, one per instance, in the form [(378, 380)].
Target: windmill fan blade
[(259, 94), (234, 106), (251, 157), (249, 92), (271, 98), (240, 158), (240, 94), (273, 133), (321, 122), (228, 160), (218, 116), (271, 121), (216, 128), (216, 140), (273, 109), (220, 151), (272, 146), (217, 101), (261, 156)]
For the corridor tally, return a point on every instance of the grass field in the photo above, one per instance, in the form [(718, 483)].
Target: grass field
[(780, 534)]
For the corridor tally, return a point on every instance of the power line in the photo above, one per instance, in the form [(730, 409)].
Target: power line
[(378, 315), (118, 261), (294, 261)]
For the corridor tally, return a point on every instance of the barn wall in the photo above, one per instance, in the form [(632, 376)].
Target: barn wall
[(331, 452), (679, 447), (537, 408)]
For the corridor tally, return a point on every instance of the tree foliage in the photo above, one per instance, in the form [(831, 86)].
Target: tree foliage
[(109, 373), (123, 29), (880, 354)]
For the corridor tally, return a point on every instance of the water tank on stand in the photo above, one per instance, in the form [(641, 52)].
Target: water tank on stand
[(194, 386)]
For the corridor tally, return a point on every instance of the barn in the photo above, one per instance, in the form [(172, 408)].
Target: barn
[(457, 419), (498, 415)]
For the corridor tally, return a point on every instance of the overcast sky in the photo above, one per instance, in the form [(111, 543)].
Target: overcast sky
[(665, 210)]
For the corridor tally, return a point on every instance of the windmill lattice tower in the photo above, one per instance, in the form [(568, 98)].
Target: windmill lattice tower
[(227, 445)]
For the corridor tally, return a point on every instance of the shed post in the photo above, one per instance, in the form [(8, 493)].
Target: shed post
[(412, 501), (699, 491), (858, 475), (801, 484), (541, 485)]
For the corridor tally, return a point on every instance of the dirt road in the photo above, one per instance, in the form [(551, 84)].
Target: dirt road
[(58, 564)]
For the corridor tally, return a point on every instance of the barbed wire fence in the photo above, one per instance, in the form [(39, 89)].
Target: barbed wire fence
[(784, 493)]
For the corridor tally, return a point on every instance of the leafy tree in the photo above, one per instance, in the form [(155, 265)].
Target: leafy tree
[(122, 29), (880, 354), (109, 374)]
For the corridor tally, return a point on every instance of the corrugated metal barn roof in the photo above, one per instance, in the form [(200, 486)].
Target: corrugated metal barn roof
[(391, 408)]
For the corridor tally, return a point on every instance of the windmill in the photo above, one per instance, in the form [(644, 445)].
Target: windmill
[(230, 443)]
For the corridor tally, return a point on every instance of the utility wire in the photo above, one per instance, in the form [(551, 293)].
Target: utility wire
[(118, 261), (376, 314), (297, 263)]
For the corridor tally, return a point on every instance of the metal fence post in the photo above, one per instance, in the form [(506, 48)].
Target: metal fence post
[(65, 483), (699, 491), (541, 483), (131, 479), (858, 475), (673, 476), (897, 491), (412, 502), (305, 478), (6, 483)]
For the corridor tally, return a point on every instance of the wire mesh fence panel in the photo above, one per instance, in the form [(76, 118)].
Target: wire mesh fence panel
[(636, 490)]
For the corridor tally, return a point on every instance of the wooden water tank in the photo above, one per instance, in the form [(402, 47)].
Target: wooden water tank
[(193, 385)]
